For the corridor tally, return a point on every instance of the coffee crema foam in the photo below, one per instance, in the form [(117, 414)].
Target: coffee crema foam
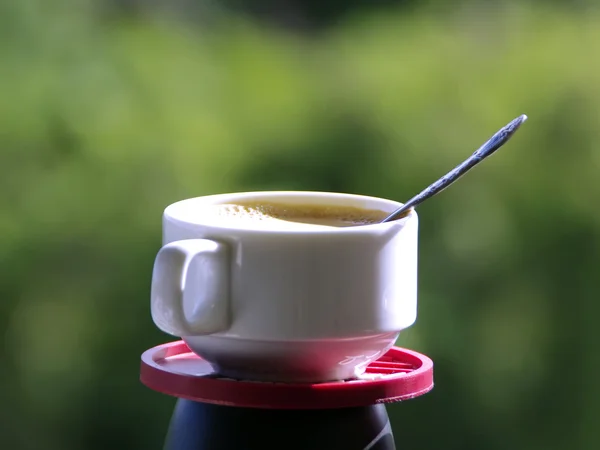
[(286, 215)]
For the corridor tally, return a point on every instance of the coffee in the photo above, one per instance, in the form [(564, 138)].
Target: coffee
[(287, 215), (284, 286)]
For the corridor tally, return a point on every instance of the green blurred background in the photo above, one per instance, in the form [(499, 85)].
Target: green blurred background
[(112, 109)]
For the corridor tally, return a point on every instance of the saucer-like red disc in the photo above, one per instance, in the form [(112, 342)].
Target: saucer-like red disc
[(173, 369)]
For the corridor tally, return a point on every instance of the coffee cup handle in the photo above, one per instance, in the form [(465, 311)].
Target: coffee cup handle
[(207, 311)]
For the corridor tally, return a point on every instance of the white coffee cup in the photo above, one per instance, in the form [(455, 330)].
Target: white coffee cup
[(305, 304)]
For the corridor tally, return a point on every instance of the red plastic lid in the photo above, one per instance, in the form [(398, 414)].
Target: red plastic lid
[(174, 370)]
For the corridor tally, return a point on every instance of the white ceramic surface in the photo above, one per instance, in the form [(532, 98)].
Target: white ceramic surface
[(307, 304)]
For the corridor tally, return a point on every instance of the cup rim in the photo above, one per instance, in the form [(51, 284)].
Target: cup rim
[(172, 212)]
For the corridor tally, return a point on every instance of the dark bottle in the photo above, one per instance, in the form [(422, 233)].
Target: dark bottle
[(204, 426)]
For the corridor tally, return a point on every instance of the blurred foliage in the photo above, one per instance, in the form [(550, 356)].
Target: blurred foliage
[(104, 120)]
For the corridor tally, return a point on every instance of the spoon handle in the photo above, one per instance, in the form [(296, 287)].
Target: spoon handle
[(494, 143)]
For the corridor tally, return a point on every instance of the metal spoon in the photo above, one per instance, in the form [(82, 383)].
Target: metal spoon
[(494, 143)]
